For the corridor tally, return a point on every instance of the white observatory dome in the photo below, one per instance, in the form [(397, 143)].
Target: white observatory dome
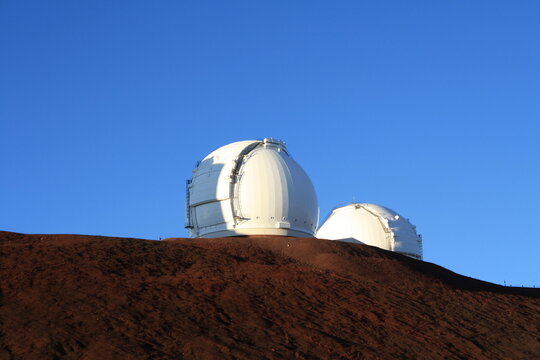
[(250, 188), (372, 225)]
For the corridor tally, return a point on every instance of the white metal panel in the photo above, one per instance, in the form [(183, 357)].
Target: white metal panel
[(262, 187), (355, 222), (275, 192), (213, 213), (211, 177), (406, 239), (229, 151), (203, 186), (303, 212), (209, 208)]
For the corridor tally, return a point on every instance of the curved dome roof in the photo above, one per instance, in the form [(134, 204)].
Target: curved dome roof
[(374, 225), (250, 187)]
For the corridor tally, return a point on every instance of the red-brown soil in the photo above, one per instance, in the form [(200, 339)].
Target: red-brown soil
[(93, 297)]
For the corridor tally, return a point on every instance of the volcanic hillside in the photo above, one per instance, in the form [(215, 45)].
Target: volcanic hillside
[(92, 297)]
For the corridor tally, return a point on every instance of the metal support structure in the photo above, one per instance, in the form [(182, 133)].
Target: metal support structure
[(189, 224)]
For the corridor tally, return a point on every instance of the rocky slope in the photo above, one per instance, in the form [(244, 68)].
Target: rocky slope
[(92, 297)]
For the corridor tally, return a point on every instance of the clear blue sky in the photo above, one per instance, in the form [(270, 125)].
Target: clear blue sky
[(431, 108)]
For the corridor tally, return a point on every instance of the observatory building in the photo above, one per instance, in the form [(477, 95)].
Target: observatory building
[(372, 225), (250, 188)]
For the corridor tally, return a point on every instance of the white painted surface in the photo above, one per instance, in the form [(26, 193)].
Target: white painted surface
[(248, 188), (373, 225)]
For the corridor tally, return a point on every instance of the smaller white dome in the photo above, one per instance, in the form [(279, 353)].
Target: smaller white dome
[(373, 225)]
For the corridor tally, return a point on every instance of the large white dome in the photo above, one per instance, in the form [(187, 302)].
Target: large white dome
[(372, 225), (250, 188)]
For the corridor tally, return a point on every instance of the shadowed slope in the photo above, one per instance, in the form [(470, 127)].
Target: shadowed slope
[(89, 297)]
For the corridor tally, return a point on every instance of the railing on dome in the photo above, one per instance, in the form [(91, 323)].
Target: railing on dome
[(233, 196), (280, 143), (188, 224), (421, 245)]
